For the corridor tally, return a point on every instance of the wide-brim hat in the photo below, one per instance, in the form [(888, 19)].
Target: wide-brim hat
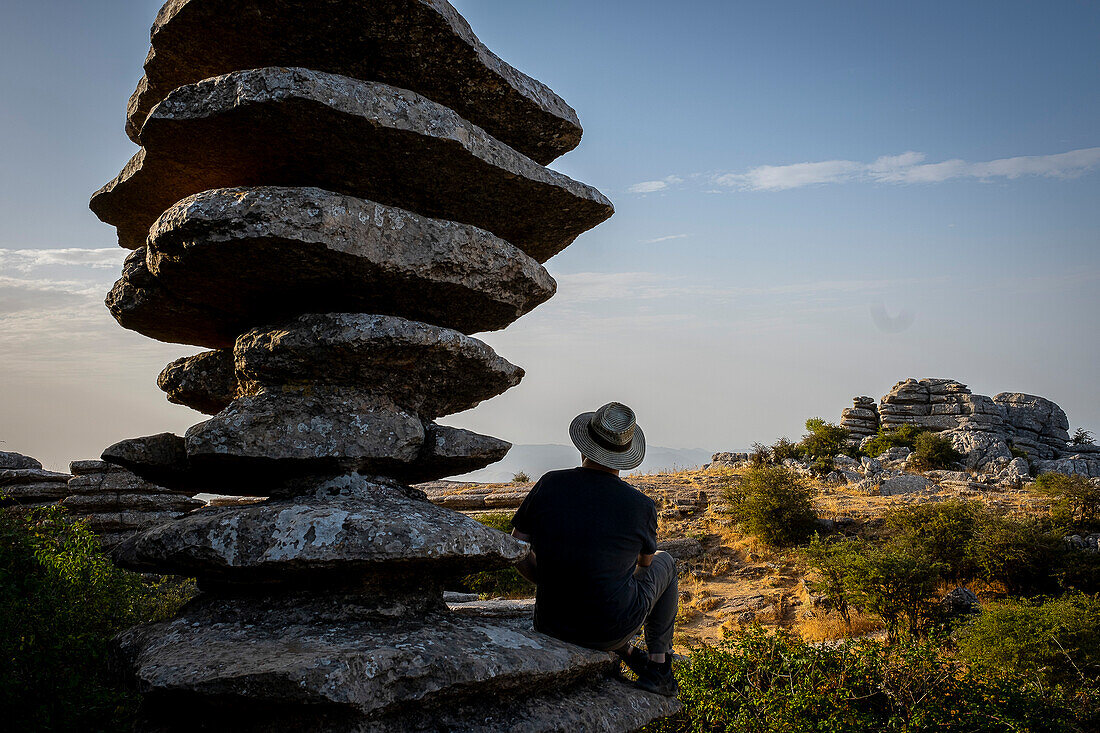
[(610, 436)]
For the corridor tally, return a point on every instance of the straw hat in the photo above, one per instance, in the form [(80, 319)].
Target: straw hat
[(609, 436)]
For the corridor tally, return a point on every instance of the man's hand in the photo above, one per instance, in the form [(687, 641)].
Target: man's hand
[(527, 567), (644, 561)]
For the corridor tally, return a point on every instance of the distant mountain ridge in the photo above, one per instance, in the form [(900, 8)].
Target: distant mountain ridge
[(535, 460)]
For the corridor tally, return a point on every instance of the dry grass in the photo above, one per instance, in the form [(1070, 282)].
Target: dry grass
[(821, 626)]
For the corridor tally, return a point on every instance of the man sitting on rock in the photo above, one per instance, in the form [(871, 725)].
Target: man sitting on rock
[(594, 552)]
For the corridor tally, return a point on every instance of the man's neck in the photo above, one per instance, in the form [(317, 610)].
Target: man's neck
[(589, 463)]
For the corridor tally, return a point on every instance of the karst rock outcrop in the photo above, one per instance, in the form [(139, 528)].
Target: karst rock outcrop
[(23, 482), (986, 430), (331, 197)]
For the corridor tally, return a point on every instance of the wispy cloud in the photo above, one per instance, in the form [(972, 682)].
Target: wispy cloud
[(655, 186), (26, 260), (906, 168), (668, 238)]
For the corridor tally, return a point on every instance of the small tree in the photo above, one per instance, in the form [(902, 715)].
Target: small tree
[(1076, 501), (833, 560), (937, 534), (785, 448), (898, 588), (1082, 437), (520, 477), (934, 451), (904, 436), (823, 440), (774, 504)]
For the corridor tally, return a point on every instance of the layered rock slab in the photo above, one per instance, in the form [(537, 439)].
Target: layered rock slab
[(31, 486), (440, 672), (370, 529), (422, 45), (296, 127), (429, 370), (267, 253)]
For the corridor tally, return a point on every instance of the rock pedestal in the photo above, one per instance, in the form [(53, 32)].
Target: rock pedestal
[(23, 482), (331, 196)]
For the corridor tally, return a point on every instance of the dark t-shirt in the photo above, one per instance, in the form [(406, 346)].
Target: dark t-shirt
[(587, 529)]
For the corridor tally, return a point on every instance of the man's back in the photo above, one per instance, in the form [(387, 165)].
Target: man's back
[(588, 528)]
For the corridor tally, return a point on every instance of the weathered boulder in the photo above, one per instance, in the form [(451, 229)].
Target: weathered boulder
[(428, 370), (861, 419), (422, 45), (939, 404), (139, 302), (1034, 424), (205, 382), (370, 528), (268, 253), (980, 449), (451, 451), (10, 460), (1072, 465), (296, 127), (906, 483)]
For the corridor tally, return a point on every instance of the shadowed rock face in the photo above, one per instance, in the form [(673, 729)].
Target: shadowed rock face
[(205, 382), (429, 370), (267, 253), (9, 460), (358, 138), (31, 486), (422, 45)]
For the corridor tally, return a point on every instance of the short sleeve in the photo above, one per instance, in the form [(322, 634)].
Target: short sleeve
[(649, 533), (523, 520)]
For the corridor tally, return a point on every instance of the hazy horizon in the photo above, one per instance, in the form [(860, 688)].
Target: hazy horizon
[(813, 202)]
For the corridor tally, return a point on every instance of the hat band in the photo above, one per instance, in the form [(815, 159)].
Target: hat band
[(605, 443)]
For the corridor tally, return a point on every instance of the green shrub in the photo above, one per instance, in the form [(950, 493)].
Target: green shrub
[(1021, 554), (897, 587), (932, 451), (1055, 642), (774, 504), (834, 559), (761, 683), (823, 440), (938, 533), (760, 455), (904, 436), (520, 477), (1082, 437), (61, 601), (784, 449), (1076, 501), (506, 582)]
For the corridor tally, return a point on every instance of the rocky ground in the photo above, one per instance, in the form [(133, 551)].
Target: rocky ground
[(728, 580)]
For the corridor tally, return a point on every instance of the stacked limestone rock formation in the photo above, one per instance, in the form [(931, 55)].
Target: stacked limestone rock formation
[(861, 419), (118, 504), (987, 429), (331, 197), (23, 482)]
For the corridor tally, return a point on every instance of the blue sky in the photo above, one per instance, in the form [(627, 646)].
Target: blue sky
[(783, 174)]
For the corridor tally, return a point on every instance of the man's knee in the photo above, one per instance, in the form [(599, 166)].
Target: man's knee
[(663, 558)]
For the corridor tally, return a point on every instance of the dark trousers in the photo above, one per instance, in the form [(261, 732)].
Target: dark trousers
[(658, 585)]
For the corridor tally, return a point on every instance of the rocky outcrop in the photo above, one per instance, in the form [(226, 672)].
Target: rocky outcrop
[(861, 419), (117, 504), (332, 196), (23, 482), (985, 430)]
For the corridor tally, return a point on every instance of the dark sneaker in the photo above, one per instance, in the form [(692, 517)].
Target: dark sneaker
[(635, 659), (658, 678)]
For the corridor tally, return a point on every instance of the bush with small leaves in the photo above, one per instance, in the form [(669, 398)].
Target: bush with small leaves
[(904, 436), (938, 534), (932, 451), (778, 683), (61, 602), (774, 504), (520, 477), (823, 440), (1082, 437), (784, 449), (1076, 499)]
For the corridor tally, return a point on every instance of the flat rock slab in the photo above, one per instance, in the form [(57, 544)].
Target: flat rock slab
[(127, 521), (366, 669), (260, 255), (139, 302), (118, 502), (11, 477), (296, 127), (314, 430), (205, 382), (429, 370), (423, 45), (372, 529)]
